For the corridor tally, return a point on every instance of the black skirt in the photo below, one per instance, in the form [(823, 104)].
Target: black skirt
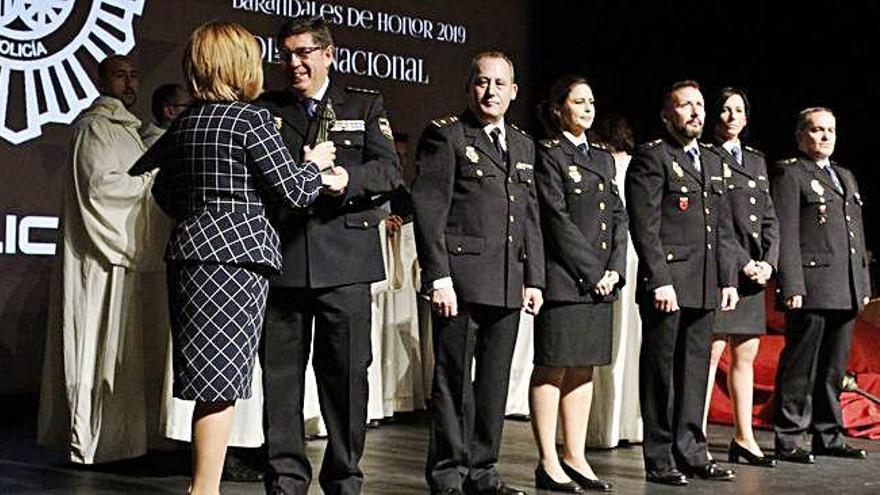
[(216, 319), (573, 334), (749, 317)]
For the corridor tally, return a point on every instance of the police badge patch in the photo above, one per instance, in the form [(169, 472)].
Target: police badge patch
[(385, 127), (471, 154)]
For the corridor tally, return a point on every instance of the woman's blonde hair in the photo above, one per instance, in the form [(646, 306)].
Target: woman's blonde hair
[(223, 62)]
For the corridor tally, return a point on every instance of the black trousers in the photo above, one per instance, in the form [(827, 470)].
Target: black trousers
[(342, 355), (673, 375), (810, 375), (468, 415)]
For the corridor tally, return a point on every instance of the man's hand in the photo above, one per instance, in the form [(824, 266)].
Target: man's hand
[(335, 180), (444, 302), (393, 223), (794, 302), (766, 271), (729, 298), (607, 283), (665, 299), (533, 299)]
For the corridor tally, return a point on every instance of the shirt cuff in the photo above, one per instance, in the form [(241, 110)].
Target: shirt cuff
[(442, 283)]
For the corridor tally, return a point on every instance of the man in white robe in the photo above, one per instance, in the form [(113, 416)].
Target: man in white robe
[(107, 336)]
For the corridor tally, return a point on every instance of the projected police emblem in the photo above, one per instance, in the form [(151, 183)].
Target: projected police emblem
[(43, 45)]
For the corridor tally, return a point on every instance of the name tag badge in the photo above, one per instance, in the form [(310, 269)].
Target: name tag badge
[(348, 126)]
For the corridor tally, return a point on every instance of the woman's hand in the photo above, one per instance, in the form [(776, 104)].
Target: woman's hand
[(323, 155)]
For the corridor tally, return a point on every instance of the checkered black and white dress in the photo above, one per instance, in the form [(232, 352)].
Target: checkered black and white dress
[(220, 165)]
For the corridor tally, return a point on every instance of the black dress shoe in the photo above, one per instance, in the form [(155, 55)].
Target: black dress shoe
[(737, 451), (797, 455), (543, 481), (709, 471), (597, 485), (667, 477), (846, 452)]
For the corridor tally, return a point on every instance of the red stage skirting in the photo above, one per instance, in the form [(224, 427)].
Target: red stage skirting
[(861, 416)]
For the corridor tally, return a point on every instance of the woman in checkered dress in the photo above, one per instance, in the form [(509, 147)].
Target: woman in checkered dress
[(222, 162)]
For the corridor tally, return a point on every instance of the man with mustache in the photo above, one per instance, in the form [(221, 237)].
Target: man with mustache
[(482, 260), (823, 283), (331, 254), (683, 234)]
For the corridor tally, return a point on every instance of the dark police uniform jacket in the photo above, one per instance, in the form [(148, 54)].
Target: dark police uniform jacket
[(680, 224), (822, 255), (583, 220), (751, 205), (476, 216), (336, 241)]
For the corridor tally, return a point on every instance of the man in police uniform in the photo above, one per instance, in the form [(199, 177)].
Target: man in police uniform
[(481, 254), (823, 283), (331, 255), (683, 234)]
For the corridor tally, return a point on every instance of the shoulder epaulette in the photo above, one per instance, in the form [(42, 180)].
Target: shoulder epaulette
[(787, 161), (526, 134), (708, 146), (361, 90), (651, 144), (753, 150), (445, 121), (549, 143), (600, 146)]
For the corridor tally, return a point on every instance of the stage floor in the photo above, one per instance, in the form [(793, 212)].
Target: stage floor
[(394, 463)]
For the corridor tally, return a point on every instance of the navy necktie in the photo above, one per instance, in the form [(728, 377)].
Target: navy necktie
[(833, 176), (496, 140), (311, 105), (583, 148), (737, 153), (695, 157)]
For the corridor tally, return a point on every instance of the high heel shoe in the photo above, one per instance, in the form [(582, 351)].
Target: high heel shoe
[(584, 482), (737, 451), (543, 481)]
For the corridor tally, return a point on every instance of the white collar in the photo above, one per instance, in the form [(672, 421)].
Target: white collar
[(576, 140), (500, 125), (825, 162), (320, 94), (693, 145), (730, 145)]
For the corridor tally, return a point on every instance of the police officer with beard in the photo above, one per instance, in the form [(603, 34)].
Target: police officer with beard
[(683, 234)]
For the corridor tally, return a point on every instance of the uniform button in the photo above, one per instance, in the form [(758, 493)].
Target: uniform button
[(601, 187), (852, 250), (812, 263), (577, 191), (753, 218), (705, 194), (510, 238), (752, 184), (458, 249), (604, 226), (846, 203), (510, 179), (755, 235), (604, 245), (602, 205), (347, 142), (684, 189), (511, 219), (512, 198), (709, 246), (366, 224), (707, 211), (669, 257), (852, 234), (479, 173), (731, 187), (753, 201), (821, 199), (848, 218)]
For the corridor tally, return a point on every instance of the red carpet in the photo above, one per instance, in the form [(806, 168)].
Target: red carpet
[(861, 415)]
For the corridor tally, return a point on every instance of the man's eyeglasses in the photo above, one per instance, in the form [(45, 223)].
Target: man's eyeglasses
[(303, 52)]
